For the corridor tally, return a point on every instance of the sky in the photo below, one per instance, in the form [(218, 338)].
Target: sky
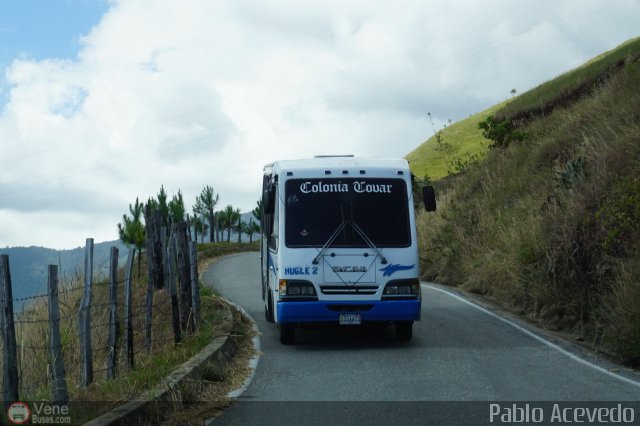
[(105, 101)]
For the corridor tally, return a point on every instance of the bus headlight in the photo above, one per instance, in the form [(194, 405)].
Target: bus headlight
[(296, 289), (402, 288)]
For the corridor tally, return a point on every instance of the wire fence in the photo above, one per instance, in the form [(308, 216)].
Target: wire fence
[(81, 332)]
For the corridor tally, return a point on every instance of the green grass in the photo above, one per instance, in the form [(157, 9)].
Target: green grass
[(464, 139), (156, 367), (151, 370)]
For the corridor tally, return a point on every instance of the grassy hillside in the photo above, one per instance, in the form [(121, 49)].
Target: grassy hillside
[(550, 226)]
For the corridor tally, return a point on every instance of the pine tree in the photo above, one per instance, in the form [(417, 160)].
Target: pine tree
[(208, 199), (131, 230)]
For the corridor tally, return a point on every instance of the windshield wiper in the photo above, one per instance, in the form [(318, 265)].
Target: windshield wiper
[(359, 231), (330, 241), (367, 240)]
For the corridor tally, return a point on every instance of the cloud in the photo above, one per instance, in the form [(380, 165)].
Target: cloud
[(205, 93)]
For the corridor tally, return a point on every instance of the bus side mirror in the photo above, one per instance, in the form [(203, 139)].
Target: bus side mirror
[(268, 200), (429, 198)]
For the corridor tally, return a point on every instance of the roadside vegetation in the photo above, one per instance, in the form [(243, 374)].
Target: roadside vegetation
[(548, 224), (151, 367)]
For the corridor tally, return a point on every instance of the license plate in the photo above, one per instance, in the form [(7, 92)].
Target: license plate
[(350, 319)]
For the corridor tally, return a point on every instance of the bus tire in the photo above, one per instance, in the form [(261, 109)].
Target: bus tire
[(268, 308), (287, 334), (404, 330)]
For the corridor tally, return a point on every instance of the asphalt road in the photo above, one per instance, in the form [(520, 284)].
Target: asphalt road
[(459, 352)]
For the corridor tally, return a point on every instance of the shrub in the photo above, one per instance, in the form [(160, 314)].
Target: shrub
[(501, 133)]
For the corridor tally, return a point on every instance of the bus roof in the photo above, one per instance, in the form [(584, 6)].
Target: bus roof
[(324, 163)]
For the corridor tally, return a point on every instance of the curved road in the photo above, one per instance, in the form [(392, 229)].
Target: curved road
[(459, 352)]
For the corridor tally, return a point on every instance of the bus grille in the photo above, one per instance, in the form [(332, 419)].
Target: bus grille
[(344, 289)]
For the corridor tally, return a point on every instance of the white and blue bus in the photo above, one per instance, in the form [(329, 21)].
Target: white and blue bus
[(339, 243)]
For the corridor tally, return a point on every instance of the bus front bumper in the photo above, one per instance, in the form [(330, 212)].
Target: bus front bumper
[(330, 311)]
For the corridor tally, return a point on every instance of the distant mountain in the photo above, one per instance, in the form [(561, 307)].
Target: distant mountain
[(29, 265)]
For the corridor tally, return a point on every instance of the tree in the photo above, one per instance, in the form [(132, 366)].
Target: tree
[(502, 133), (254, 228), (229, 216), (237, 219), (198, 223), (131, 230), (250, 228), (162, 205), (199, 213), (176, 208), (222, 218), (152, 203), (219, 225), (257, 212), (208, 200)]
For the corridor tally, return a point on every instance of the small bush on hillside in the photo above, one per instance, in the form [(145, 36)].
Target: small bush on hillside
[(501, 133)]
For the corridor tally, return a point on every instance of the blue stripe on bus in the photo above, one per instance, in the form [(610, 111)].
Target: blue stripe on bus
[(387, 310)]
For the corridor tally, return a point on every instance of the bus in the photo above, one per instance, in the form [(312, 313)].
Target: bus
[(339, 244)]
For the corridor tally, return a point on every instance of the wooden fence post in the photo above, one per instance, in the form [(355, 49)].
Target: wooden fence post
[(148, 229), (59, 391), (164, 238), (84, 318), (112, 353), (195, 227), (153, 230), (128, 313), (188, 220), (195, 289), (10, 371), (184, 274), (158, 257), (149, 313), (175, 309)]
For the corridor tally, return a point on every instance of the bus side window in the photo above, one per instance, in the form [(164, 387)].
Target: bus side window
[(273, 225)]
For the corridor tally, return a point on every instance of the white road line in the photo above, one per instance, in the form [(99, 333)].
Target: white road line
[(538, 338)]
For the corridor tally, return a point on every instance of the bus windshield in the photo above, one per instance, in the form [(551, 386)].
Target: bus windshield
[(316, 208)]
